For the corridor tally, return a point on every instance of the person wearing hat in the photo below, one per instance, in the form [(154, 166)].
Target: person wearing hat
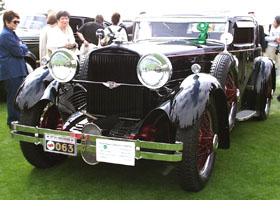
[(273, 39)]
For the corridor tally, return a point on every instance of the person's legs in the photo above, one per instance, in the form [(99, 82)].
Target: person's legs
[(12, 86), (270, 52), (277, 62)]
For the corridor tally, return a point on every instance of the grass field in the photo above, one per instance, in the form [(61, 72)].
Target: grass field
[(248, 170)]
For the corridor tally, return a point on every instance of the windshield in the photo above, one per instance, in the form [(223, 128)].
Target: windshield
[(32, 22), (154, 30)]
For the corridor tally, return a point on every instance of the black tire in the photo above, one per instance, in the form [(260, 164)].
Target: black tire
[(36, 116), (265, 101), (223, 68), (198, 160)]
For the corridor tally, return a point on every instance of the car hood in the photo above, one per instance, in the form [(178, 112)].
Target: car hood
[(26, 33), (173, 47)]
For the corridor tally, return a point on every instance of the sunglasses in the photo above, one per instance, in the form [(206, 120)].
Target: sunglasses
[(16, 22)]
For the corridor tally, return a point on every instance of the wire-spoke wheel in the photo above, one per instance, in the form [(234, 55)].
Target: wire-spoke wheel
[(199, 150), (223, 68)]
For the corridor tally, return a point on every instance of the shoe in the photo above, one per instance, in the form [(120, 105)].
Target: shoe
[(278, 97)]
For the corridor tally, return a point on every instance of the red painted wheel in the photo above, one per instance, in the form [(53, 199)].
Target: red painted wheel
[(231, 91), (51, 118), (199, 150), (206, 138), (223, 68)]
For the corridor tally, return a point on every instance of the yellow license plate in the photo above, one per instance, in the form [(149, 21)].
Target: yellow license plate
[(60, 144)]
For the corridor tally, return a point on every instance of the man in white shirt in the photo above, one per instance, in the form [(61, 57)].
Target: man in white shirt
[(272, 50), (273, 42), (114, 32)]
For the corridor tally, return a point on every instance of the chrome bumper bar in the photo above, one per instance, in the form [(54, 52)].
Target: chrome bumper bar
[(143, 149)]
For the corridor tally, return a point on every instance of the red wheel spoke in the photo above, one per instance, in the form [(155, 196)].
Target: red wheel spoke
[(231, 91), (205, 141), (52, 119)]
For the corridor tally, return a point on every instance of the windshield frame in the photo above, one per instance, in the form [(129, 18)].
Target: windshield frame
[(166, 20)]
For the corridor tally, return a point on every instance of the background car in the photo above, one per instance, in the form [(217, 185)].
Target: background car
[(29, 31), (30, 28)]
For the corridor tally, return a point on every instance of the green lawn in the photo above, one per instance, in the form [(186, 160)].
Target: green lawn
[(248, 170)]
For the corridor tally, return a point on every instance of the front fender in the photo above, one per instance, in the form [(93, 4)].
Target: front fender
[(188, 104), (29, 54), (35, 87), (31, 59), (265, 72), (264, 67), (185, 107)]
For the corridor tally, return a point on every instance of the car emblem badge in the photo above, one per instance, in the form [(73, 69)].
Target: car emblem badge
[(111, 84)]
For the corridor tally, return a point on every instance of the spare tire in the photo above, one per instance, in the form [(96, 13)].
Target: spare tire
[(83, 70), (223, 68)]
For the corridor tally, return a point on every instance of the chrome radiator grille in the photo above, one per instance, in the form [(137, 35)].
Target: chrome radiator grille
[(125, 101)]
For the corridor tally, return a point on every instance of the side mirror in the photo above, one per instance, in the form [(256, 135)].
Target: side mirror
[(100, 35), (227, 39)]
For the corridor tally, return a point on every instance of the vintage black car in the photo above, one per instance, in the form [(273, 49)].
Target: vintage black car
[(172, 94)]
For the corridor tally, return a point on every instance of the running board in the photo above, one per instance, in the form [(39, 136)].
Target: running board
[(245, 115)]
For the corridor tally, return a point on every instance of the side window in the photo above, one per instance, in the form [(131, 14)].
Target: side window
[(243, 32), (88, 19)]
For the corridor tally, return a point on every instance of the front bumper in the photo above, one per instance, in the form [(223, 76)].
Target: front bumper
[(143, 149)]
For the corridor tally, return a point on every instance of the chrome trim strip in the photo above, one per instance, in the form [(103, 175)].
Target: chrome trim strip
[(105, 83)]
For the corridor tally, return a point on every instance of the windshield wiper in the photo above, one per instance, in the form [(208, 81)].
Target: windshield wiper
[(170, 29), (23, 27)]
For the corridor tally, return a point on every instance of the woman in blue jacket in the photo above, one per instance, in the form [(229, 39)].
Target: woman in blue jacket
[(12, 63)]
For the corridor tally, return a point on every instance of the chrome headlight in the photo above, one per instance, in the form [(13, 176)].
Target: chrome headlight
[(154, 70), (63, 65)]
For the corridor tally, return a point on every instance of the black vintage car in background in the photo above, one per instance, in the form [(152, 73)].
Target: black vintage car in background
[(30, 28), (171, 94), (29, 31)]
